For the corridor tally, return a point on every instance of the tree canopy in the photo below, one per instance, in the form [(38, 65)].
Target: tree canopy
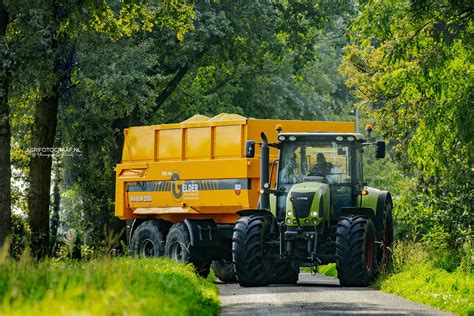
[(411, 62)]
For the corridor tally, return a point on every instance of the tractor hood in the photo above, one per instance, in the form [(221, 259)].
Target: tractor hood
[(309, 200)]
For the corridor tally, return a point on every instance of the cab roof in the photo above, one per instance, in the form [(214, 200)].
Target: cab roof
[(358, 136)]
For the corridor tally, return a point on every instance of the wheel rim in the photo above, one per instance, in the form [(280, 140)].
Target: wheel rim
[(147, 248), (177, 251), (368, 252)]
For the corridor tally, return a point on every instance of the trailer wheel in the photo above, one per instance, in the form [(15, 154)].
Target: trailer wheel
[(148, 239), (251, 267), (177, 246), (384, 256), (285, 273), (224, 270), (356, 252)]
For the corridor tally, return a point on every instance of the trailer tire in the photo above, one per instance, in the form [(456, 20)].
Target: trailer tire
[(356, 252), (224, 270), (177, 246), (148, 239), (285, 273), (251, 267)]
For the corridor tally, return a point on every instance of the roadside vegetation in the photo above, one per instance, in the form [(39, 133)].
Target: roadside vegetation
[(431, 277), (108, 286), (435, 279)]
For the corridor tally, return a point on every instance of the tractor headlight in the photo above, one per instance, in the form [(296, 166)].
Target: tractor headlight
[(289, 213), (315, 221), (294, 221), (314, 214), (288, 220), (306, 221)]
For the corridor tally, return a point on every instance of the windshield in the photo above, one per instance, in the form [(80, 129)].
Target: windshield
[(327, 162)]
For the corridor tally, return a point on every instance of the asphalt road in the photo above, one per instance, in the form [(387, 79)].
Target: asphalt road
[(315, 295)]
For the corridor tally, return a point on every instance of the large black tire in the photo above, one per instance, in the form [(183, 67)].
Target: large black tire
[(384, 255), (177, 246), (148, 240), (356, 251), (248, 251), (285, 273), (224, 270)]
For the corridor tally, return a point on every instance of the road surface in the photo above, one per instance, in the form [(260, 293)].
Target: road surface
[(315, 295)]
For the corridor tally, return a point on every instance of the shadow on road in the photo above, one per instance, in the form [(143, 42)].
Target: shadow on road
[(297, 308), (314, 295)]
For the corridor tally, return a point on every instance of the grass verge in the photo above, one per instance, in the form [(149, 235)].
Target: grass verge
[(417, 276), (436, 287), (327, 270), (118, 286)]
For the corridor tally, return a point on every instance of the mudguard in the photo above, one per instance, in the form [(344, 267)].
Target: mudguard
[(261, 212), (365, 211), (203, 232)]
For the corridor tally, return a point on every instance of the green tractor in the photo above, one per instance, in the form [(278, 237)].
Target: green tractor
[(320, 212)]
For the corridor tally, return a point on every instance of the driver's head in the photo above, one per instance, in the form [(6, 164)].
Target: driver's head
[(320, 158)]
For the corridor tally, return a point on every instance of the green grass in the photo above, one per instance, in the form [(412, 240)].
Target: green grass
[(327, 270), (436, 287), (118, 286), (423, 277), (417, 277)]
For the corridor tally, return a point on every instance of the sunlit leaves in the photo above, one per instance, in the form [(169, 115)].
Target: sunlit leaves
[(413, 66), (125, 18)]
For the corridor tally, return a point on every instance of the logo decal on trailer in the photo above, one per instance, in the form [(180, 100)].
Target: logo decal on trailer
[(237, 188), (176, 186)]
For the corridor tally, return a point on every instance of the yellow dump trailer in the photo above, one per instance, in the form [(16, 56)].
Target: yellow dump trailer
[(197, 169), (180, 186)]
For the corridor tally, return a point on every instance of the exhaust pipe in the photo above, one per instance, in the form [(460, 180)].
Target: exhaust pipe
[(264, 176)]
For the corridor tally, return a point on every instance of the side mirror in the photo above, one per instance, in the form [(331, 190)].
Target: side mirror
[(380, 149), (249, 149)]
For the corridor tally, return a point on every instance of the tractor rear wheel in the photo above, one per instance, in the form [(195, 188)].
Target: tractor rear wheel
[(148, 240), (224, 270), (248, 251), (384, 256), (356, 252), (177, 246)]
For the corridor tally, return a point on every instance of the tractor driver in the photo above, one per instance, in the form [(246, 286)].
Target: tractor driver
[(322, 167)]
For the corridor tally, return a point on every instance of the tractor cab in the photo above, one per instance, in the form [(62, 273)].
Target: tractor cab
[(318, 175)]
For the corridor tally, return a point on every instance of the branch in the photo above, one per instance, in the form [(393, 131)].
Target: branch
[(173, 84), (170, 88)]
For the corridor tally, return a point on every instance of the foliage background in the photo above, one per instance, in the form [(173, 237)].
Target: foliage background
[(408, 62)]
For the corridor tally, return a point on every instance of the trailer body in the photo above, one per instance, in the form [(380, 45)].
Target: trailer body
[(197, 169)]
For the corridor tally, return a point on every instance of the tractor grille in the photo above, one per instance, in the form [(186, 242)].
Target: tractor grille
[(302, 203)]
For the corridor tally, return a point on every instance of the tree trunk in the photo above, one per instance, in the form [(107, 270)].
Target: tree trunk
[(56, 204), (42, 137), (5, 134)]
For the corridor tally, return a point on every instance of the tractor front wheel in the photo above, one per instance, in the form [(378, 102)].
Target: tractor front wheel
[(248, 251), (356, 251)]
